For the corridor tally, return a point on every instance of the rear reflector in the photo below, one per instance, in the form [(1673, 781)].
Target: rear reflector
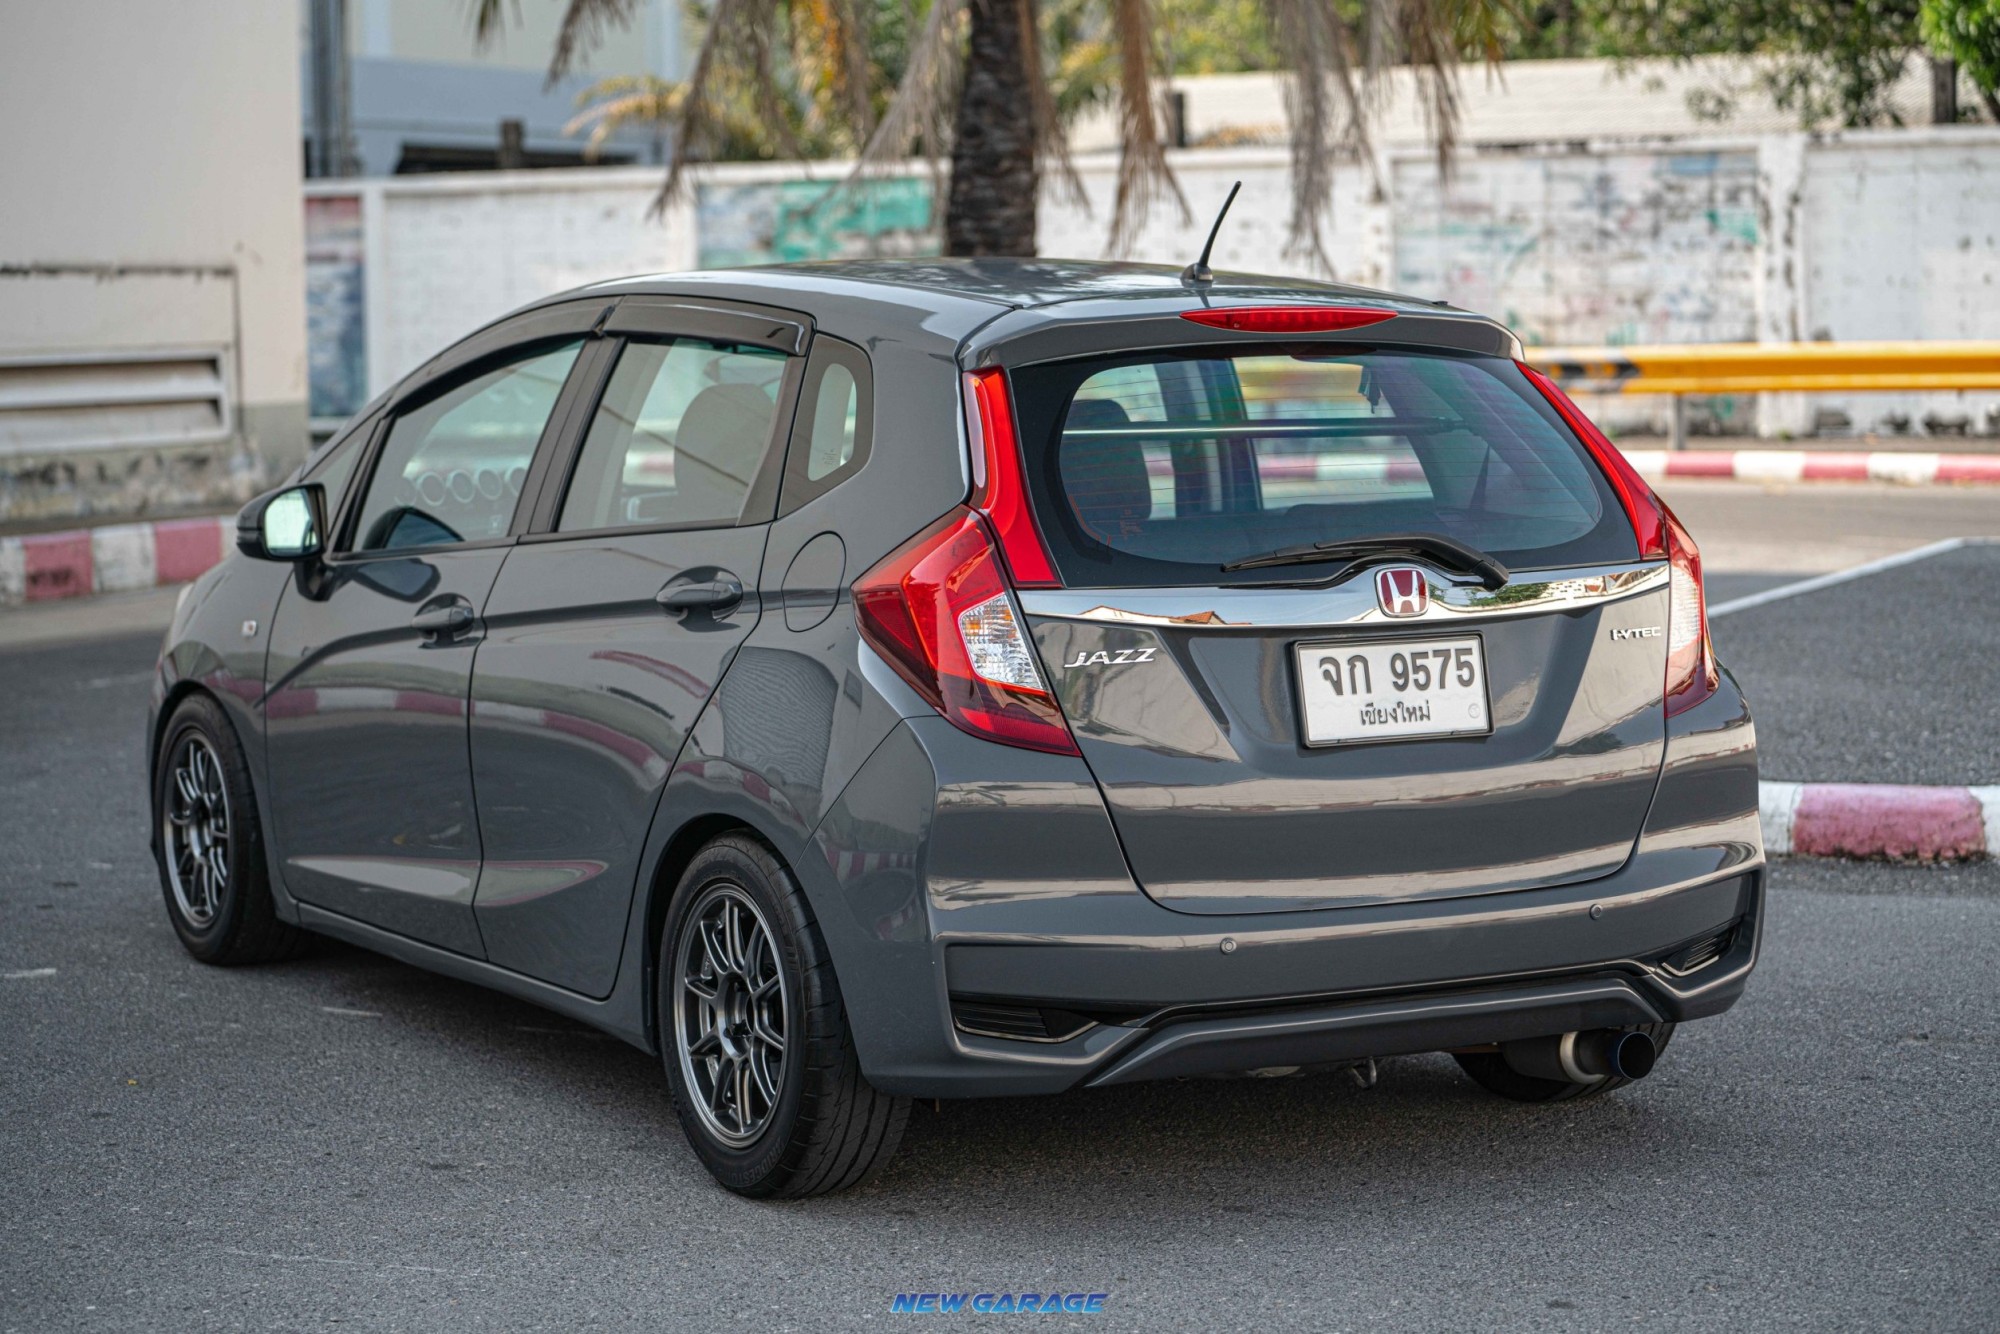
[(1289, 319), (938, 610)]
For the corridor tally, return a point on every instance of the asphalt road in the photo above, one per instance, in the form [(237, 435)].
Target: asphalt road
[(1893, 677), (346, 1140)]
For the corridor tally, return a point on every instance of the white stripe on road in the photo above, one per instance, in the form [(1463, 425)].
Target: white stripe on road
[(22, 974), (1818, 582), (1777, 808)]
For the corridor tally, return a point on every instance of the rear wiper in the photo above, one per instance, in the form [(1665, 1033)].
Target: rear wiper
[(1448, 552)]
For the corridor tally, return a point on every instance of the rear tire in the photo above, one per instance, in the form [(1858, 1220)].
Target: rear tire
[(209, 845), (1489, 1070), (755, 1038)]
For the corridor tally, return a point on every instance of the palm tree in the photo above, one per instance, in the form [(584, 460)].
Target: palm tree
[(974, 84)]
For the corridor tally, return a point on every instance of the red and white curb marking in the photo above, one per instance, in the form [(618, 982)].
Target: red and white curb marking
[(115, 559), (1800, 465), (1879, 820)]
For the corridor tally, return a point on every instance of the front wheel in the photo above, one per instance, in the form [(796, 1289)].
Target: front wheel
[(754, 1036), (1489, 1070), (209, 845)]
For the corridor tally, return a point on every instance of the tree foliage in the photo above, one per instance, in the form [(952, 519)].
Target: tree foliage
[(806, 77), (1968, 31)]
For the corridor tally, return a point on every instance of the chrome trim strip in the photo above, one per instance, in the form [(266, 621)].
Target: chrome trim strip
[(1350, 602)]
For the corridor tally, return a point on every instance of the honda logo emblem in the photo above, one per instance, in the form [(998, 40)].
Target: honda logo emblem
[(1402, 590)]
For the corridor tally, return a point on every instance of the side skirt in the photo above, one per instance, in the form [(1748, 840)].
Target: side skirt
[(616, 1014)]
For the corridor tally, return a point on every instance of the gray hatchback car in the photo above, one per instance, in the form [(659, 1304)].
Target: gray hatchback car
[(877, 680)]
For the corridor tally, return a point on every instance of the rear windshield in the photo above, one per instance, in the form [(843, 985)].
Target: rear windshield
[(1161, 468)]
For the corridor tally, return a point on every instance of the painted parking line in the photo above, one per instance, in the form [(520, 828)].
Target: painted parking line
[(1862, 571)]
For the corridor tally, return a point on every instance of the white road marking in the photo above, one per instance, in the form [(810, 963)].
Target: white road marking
[(21, 974), (1818, 582), (358, 1014)]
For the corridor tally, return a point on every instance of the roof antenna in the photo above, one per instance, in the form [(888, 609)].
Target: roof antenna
[(1198, 274)]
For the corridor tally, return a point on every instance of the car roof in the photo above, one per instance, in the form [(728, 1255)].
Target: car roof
[(963, 308), (1015, 284)]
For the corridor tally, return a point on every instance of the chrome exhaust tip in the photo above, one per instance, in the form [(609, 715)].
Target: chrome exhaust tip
[(1584, 1058)]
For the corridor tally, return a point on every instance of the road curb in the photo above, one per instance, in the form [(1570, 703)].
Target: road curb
[(117, 558), (1799, 465), (1879, 821)]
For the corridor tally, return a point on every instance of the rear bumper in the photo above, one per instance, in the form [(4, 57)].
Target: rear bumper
[(1007, 886)]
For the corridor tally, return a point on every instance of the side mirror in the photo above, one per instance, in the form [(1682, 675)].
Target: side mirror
[(284, 525)]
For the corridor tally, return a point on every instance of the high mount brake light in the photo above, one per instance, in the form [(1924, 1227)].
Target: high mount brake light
[(1288, 319), (938, 610), (1002, 493), (1691, 670)]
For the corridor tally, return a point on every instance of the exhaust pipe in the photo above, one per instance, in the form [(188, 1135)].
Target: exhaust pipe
[(1584, 1058)]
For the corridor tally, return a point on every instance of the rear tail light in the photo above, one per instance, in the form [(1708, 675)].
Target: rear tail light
[(939, 611), (1691, 669), (1001, 493)]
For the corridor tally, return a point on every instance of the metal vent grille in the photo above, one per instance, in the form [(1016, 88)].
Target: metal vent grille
[(113, 400), (1022, 1023), (1694, 957)]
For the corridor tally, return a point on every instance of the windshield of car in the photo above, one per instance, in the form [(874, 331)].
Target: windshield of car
[(1163, 467)]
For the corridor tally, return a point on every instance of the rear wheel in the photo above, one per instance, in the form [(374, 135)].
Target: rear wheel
[(754, 1036), (209, 845), (1489, 1070)]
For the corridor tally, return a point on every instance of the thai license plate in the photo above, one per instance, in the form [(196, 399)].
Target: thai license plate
[(1392, 690)]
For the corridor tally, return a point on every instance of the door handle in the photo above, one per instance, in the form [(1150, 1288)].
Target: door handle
[(443, 622), (717, 594)]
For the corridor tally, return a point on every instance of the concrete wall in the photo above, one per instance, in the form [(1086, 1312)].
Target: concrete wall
[(151, 182), (1766, 238)]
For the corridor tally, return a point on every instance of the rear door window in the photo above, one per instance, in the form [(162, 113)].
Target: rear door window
[(679, 439), (1163, 468)]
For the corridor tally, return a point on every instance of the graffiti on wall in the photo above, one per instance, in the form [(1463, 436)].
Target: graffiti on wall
[(336, 332), (781, 222), (1615, 248)]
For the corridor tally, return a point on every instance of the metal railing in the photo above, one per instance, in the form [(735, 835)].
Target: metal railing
[(1679, 369)]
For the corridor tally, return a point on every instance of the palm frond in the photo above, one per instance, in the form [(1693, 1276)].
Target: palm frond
[(919, 109), (1143, 174), (489, 20), (1051, 135), (584, 24)]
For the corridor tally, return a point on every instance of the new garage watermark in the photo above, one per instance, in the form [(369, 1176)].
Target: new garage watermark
[(999, 1303)]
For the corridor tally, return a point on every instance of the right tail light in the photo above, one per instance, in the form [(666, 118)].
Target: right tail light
[(1691, 670)]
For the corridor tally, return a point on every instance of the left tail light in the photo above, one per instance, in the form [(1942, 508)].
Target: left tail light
[(1691, 669), (939, 610)]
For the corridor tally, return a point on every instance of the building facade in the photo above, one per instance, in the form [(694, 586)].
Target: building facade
[(152, 318)]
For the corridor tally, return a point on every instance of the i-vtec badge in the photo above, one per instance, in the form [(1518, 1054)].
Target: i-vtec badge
[(1123, 657), (1635, 632)]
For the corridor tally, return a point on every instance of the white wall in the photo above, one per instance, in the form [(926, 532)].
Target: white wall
[(151, 169), (1890, 234)]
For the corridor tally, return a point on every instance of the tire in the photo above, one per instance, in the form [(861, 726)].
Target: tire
[(209, 845), (1489, 1070), (768, 1124)]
